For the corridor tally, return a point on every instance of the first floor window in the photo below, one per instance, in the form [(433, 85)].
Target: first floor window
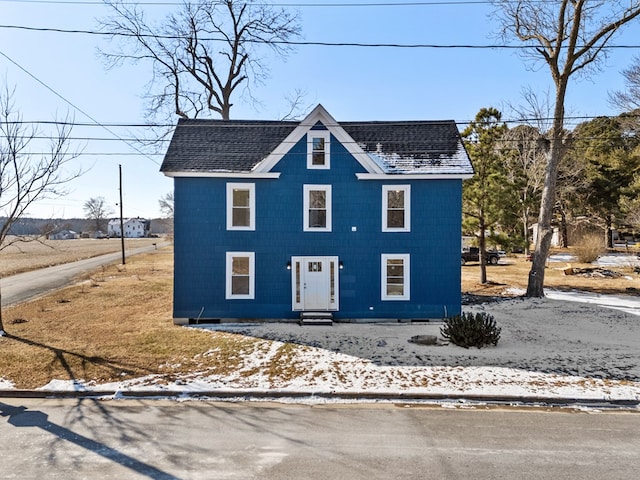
[(240, 275), (317, 208), (395, 277)]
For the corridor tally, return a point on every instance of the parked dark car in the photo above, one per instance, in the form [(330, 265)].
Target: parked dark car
[(472, 254)]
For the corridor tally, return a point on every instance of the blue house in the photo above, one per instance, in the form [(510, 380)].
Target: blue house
[(350, 220)]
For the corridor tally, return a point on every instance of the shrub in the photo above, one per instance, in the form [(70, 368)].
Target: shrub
[(589, 247), (469, 330)]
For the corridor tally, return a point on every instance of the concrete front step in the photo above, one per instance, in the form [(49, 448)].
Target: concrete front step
[(316, 318)]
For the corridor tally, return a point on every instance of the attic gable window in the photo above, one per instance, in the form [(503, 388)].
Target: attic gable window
[(241, 206), (318, 148), (396, 208)]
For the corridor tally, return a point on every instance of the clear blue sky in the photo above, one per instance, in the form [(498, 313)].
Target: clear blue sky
[(353, 83)]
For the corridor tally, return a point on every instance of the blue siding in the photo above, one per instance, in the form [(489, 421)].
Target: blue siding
[(201, 242)]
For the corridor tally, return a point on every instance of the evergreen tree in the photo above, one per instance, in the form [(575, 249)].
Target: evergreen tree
[(612, 167), (482, 195)]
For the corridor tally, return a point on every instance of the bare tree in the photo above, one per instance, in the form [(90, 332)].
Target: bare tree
[(97, 212), (167, 210), (27, 177), (629, 99), (524, 161), (202, 54), (166, 205), (570, 37)]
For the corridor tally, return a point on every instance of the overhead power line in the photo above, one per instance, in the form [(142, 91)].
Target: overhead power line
[(240, 123), (75, 107), (284, 5), (296, 43)]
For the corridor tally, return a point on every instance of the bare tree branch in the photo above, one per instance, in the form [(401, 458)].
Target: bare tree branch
[(202, 54), (629, 99), (570, 36), (24, 178)]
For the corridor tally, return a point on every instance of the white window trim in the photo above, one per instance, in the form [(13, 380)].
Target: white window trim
[(306, 190), (327, 149), (252, 277), (407, 276), (252, 205), (407, 208)]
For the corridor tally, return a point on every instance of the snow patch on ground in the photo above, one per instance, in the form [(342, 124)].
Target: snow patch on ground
[(569, 345), (6, 384), (609, 260)]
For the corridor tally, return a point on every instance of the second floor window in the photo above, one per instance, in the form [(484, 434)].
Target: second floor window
[(241, 206), (396, 208), (317, 208)]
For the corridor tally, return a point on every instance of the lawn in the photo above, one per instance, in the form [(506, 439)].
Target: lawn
[(116, 325)]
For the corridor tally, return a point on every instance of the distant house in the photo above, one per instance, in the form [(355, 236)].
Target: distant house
[(353, 220), (133, 228), (64, 235)]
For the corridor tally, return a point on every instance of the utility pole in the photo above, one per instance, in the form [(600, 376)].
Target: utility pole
[(121, 221)]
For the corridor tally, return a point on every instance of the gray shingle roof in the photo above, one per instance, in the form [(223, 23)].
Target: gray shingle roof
[(202, 146), (218, 145)]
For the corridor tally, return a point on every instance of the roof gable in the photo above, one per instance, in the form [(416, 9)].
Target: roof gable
[(314, 121), (241, 147)]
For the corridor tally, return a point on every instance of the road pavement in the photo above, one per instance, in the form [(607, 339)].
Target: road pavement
[(164, 439), (26, 286)]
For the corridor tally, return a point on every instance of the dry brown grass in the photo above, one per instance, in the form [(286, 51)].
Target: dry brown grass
[(119, 326), (513, 272), (116, 329), (24, 256)]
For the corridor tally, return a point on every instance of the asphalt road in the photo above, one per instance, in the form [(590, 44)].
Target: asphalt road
[(163, 439), (26, 286)]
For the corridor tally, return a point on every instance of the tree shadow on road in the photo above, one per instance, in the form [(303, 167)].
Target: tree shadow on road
[(22, 417)]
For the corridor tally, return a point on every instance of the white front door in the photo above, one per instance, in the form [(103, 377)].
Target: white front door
[(315, 283)]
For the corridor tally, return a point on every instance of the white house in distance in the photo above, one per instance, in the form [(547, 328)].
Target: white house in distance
[(64, 235), (133, 227)]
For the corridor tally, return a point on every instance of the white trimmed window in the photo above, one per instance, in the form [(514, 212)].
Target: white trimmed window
[(240, 275), (241, 206), (396, 208), (318, 149), (317, 208), (395, 277)]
